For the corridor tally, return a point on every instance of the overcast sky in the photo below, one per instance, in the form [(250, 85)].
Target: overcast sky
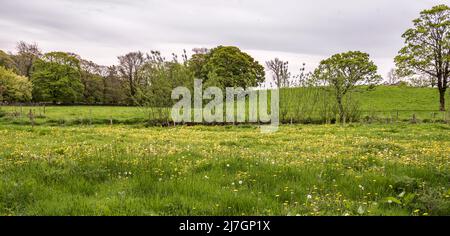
[(294, 30)]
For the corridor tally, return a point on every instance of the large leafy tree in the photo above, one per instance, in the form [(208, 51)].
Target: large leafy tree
[(13, 87), (228, 66), (427, 50), (56, 78), (344, 71)]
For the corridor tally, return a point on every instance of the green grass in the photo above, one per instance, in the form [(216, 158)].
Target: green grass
[(301, 170), (391, 98), (383, 102), (394, 102)]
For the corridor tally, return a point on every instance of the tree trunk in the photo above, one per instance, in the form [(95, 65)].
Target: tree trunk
[(442, 99), (341, 109)]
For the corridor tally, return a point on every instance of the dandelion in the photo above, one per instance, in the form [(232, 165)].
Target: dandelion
[(240, 182), (308, 196)]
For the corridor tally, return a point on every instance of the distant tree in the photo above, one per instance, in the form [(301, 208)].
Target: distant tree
[(7, 61), (393, 77), (56, 78), (280, 72), (227, 66), (344, 71), (427, 49), (92, 80), (13, 87), (129, 66), (26, 55), (197, 61), (114, 89), (421, 81), (159, 77)]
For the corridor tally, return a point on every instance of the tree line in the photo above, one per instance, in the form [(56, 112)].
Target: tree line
[(148, 78), (138, 78)]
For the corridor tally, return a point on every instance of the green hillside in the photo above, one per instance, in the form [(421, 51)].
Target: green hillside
[(384, 98)]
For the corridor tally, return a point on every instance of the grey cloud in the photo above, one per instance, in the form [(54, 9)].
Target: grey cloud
[(313, 27)]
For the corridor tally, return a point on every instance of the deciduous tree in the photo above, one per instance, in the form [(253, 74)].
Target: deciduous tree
[(129, 66), (427, 49), (56, 78), (280, 72), (344, 71), (26, 55), (228, 66), (13, 87)]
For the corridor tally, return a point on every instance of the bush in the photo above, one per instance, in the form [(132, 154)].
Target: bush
[(13, 87)]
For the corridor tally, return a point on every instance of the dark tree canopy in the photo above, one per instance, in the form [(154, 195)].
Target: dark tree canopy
[(427, 49), (56, 78), (227, 66)]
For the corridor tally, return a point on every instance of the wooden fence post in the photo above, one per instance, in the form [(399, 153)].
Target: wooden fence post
[(31, 116), (90, 116), (414, 120)]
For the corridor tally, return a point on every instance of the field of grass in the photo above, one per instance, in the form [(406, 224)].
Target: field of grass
[(397, 169), (395, 103)]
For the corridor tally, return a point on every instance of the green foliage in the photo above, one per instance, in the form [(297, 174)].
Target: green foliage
[(7, 62), (159, 77), (92, 81), (13, 87), (56, 78), (427, 49), (342, 72), (113, 87), (227, 66)]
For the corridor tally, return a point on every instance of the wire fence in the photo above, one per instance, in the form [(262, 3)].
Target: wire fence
[(64, 115)]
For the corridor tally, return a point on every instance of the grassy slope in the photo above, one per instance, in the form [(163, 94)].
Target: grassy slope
[(306, 170), (385, 98)]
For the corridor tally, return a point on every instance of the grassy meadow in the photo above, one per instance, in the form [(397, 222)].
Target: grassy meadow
[(397, 169), (74, 162)]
